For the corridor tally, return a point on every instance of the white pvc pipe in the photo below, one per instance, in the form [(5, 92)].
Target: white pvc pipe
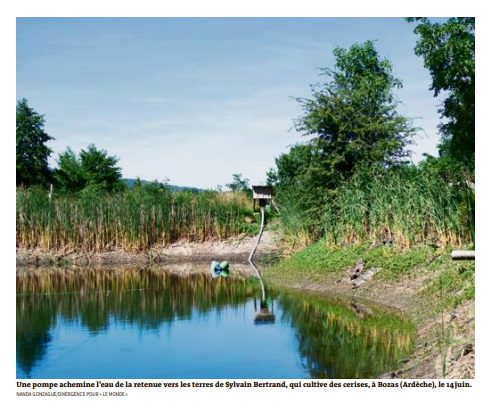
[(250, 258), (463, 255)]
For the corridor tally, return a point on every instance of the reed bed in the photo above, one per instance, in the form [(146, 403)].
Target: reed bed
[(402, 208), (137, 219), (296, 225)]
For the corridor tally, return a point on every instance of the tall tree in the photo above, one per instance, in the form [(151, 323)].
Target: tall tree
[(32, 153), (448, 50), (353, 122), (92, 168), (353, 114)]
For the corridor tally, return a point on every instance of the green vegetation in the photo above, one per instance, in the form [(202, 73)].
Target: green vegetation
[(347, 192), (453, 281), (354, 115), (449, 53), (351, 183), (136, 219), (355, 124), (424, 282), (31, 153), (93, 169), (364, 341), (405, 207), (91, 209)]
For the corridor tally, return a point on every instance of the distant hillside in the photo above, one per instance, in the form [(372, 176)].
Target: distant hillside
[(131, 182)]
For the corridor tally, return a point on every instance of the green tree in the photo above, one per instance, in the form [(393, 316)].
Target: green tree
[(101, 169), (32, 153), (69, 176), (293, 169), (300, 183), (448, 50), (353, 123), (239, 184), (353, 120), (354, 113), (93, 169)]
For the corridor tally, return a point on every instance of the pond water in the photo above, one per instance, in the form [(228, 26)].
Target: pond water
[(155, 323)]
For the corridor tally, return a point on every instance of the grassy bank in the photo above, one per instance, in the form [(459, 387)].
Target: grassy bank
[(434, 291), (319, 263), (136, 219)]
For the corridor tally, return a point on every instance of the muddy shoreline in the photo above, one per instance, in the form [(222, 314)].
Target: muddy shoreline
[(232, 250)]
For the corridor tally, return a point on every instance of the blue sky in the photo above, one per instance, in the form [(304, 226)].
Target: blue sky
[(198, 99)]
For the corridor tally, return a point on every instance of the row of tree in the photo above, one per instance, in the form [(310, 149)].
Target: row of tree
[(92, 167)]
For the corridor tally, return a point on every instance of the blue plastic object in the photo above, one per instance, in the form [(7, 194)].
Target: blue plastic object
[(216, 269)]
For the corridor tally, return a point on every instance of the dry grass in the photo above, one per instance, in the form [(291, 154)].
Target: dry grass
[(134, 220)]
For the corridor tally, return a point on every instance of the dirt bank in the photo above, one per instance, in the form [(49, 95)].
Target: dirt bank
[(232, 250)]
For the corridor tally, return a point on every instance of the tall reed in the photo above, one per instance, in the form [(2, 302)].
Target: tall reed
[(404, 207), (136, 219)]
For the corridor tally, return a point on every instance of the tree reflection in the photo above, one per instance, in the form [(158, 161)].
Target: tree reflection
[(346, 340), (147, 298), (33, 331)]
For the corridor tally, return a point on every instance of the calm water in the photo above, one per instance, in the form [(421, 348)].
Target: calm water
[(156, 324)]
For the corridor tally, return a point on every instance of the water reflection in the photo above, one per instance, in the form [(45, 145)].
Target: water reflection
[(341, 339), (144, 298), (264, 315), (207, 327)]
